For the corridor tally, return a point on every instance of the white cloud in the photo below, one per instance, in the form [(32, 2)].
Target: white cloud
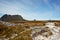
[(26, 8)]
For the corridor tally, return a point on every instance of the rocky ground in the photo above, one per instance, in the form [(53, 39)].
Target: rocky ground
[(11, 31), (49, 32)]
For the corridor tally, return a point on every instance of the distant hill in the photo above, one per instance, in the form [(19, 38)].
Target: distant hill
[(12, 18)]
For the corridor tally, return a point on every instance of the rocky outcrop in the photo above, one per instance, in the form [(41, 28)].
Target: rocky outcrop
[(12, 18)]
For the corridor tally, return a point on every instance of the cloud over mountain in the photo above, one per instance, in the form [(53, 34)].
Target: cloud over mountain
[(27, 8)]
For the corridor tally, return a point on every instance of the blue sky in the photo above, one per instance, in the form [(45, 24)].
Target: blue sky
[(32, 9)]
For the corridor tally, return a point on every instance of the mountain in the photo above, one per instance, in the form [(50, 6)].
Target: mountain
[(12, 18)]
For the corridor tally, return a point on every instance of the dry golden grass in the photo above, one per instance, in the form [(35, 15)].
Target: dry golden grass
[(9, 30)]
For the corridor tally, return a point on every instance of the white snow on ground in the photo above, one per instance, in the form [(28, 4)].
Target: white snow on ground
[(13, 36), (35, 35), (55, 36), (7, 23)]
